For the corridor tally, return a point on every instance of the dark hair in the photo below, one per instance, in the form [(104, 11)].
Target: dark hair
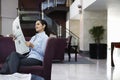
[(43, 22)]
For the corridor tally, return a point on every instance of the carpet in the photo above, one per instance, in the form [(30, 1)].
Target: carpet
[(80, 60)]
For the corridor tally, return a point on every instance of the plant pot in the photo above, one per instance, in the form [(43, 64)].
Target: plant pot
[(98, 51)]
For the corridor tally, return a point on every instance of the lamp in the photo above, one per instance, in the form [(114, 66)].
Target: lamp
[(80, 8)]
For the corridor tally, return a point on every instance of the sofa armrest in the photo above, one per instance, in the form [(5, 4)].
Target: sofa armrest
[(6, 47)]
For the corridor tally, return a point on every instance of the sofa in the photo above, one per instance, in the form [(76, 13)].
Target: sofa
[(54, 46)]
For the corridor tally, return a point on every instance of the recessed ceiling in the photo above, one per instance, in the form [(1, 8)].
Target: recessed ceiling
[(98, 5)]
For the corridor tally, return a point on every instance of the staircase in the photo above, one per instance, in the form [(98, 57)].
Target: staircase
[(47, 12)]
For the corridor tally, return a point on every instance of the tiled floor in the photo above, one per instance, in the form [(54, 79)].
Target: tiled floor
[(97, 71)]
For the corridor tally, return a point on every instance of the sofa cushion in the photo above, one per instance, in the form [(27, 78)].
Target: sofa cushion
[(37, 70)]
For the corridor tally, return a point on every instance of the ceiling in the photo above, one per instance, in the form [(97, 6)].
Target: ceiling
[(98, 5)]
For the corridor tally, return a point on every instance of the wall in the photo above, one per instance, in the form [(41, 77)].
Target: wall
[(67, 23), (75, 27), (113, 22), (74, 10), (0, 16), (90, 19), (68, 3), (8, 14)]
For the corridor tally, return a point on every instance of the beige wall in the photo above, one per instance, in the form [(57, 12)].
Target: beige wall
[(75, 27), (90, 19), (68, 2)]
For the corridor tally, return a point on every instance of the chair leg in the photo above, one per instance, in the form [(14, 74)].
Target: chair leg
[(76, 52), (76, 56), (69, 56)]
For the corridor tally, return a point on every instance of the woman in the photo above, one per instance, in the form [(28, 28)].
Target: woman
[(37, 46)]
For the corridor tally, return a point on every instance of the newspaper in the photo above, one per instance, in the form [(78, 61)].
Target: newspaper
[(16, 76), (20, 39)]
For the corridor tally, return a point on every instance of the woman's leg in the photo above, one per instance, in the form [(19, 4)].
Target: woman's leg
[(30, 62), (4, 69), (12, 63)]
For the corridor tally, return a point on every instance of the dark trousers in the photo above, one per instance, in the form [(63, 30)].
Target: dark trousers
[(15, 60)]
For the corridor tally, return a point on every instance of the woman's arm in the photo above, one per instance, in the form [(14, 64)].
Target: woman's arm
[(29, 44)]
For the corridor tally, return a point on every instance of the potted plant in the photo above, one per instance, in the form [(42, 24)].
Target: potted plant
[(97, 49)]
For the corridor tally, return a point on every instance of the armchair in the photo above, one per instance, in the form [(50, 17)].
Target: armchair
[(60, 45), (68, 47), (45, 70), (7, 46), (71, 48)]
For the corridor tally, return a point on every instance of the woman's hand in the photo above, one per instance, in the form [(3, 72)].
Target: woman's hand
[(29, 44), (13, 36)]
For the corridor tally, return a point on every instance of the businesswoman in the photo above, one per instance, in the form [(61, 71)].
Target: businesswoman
[(37, 46)]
